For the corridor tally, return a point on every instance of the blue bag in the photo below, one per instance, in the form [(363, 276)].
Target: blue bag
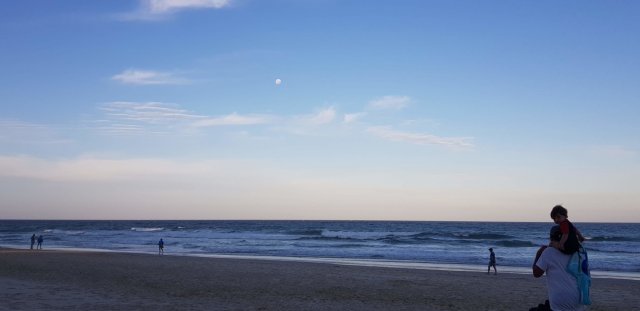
[(578, 266)]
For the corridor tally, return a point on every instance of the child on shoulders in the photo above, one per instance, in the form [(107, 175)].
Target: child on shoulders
[(570, 235)]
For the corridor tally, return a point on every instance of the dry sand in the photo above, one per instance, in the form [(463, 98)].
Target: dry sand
[(56, 280)]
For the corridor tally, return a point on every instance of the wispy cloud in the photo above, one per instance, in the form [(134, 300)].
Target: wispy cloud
[(320, 117), (148, 77), (234, 119), (169, 6), (352, 117), (108, 127), (21, 132), (154, 10), (10, 127), (149, 112), (420, 138), (390, 102), (135, 118)]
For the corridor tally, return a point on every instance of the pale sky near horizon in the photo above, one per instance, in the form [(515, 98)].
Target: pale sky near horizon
[(384, 110)]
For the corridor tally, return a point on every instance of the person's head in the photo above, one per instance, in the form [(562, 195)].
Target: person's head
[(559, 214), (491, 250), (555, 234)]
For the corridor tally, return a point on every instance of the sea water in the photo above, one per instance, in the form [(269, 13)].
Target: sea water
[(612, 247)]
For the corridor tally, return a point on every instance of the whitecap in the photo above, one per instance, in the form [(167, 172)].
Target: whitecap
[(146, 229)]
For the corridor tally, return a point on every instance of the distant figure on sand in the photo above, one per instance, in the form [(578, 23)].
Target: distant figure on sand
[(492, 262), (40, 239), (562, 287), (33, 240), (571, 237), (160, 247)]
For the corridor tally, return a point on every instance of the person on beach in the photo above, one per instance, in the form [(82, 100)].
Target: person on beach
[(33, 240), (492, 262), (160, 247), (562, 287), (571, 237), (40, 240)]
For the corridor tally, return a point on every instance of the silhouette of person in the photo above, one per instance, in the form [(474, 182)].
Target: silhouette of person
[(33, 240), (492, 262), (40, 239), (160, 247)]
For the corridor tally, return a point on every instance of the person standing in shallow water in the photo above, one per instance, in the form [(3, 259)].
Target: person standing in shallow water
[(492, 262), (160, 247), (33, 240), (40, 240)]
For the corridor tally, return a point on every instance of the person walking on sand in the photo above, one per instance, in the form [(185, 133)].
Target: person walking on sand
[(492, 262), (33, 240), (40, 240), (160, 247)]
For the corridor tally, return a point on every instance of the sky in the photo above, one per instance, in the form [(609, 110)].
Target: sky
[(320, 109)]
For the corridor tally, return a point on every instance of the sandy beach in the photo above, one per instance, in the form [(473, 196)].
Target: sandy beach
[(56, 280)]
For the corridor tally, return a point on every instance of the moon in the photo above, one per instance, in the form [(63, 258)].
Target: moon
[(278, 81)]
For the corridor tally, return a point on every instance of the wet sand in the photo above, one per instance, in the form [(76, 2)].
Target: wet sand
[(70, 280)]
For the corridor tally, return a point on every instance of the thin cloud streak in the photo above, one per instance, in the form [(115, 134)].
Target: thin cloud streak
[(168, 6), (158, 10), (135, 118), (10, 129), (157, 118), (121, 129), (390, 102), (234, 119), (149, 112), (148, 77), (13, 131), (420, 139)]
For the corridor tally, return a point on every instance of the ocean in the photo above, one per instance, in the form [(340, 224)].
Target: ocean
[(613, 248)]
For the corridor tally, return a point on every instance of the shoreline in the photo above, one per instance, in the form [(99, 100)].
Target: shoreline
[(633, 276), (50, 279)]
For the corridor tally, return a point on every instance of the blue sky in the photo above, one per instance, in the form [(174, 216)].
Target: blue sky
[(394, 110)]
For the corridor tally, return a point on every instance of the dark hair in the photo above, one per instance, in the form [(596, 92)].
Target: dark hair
[(559, 210)]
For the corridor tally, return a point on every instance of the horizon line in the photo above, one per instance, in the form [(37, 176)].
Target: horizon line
[(317, 220)]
